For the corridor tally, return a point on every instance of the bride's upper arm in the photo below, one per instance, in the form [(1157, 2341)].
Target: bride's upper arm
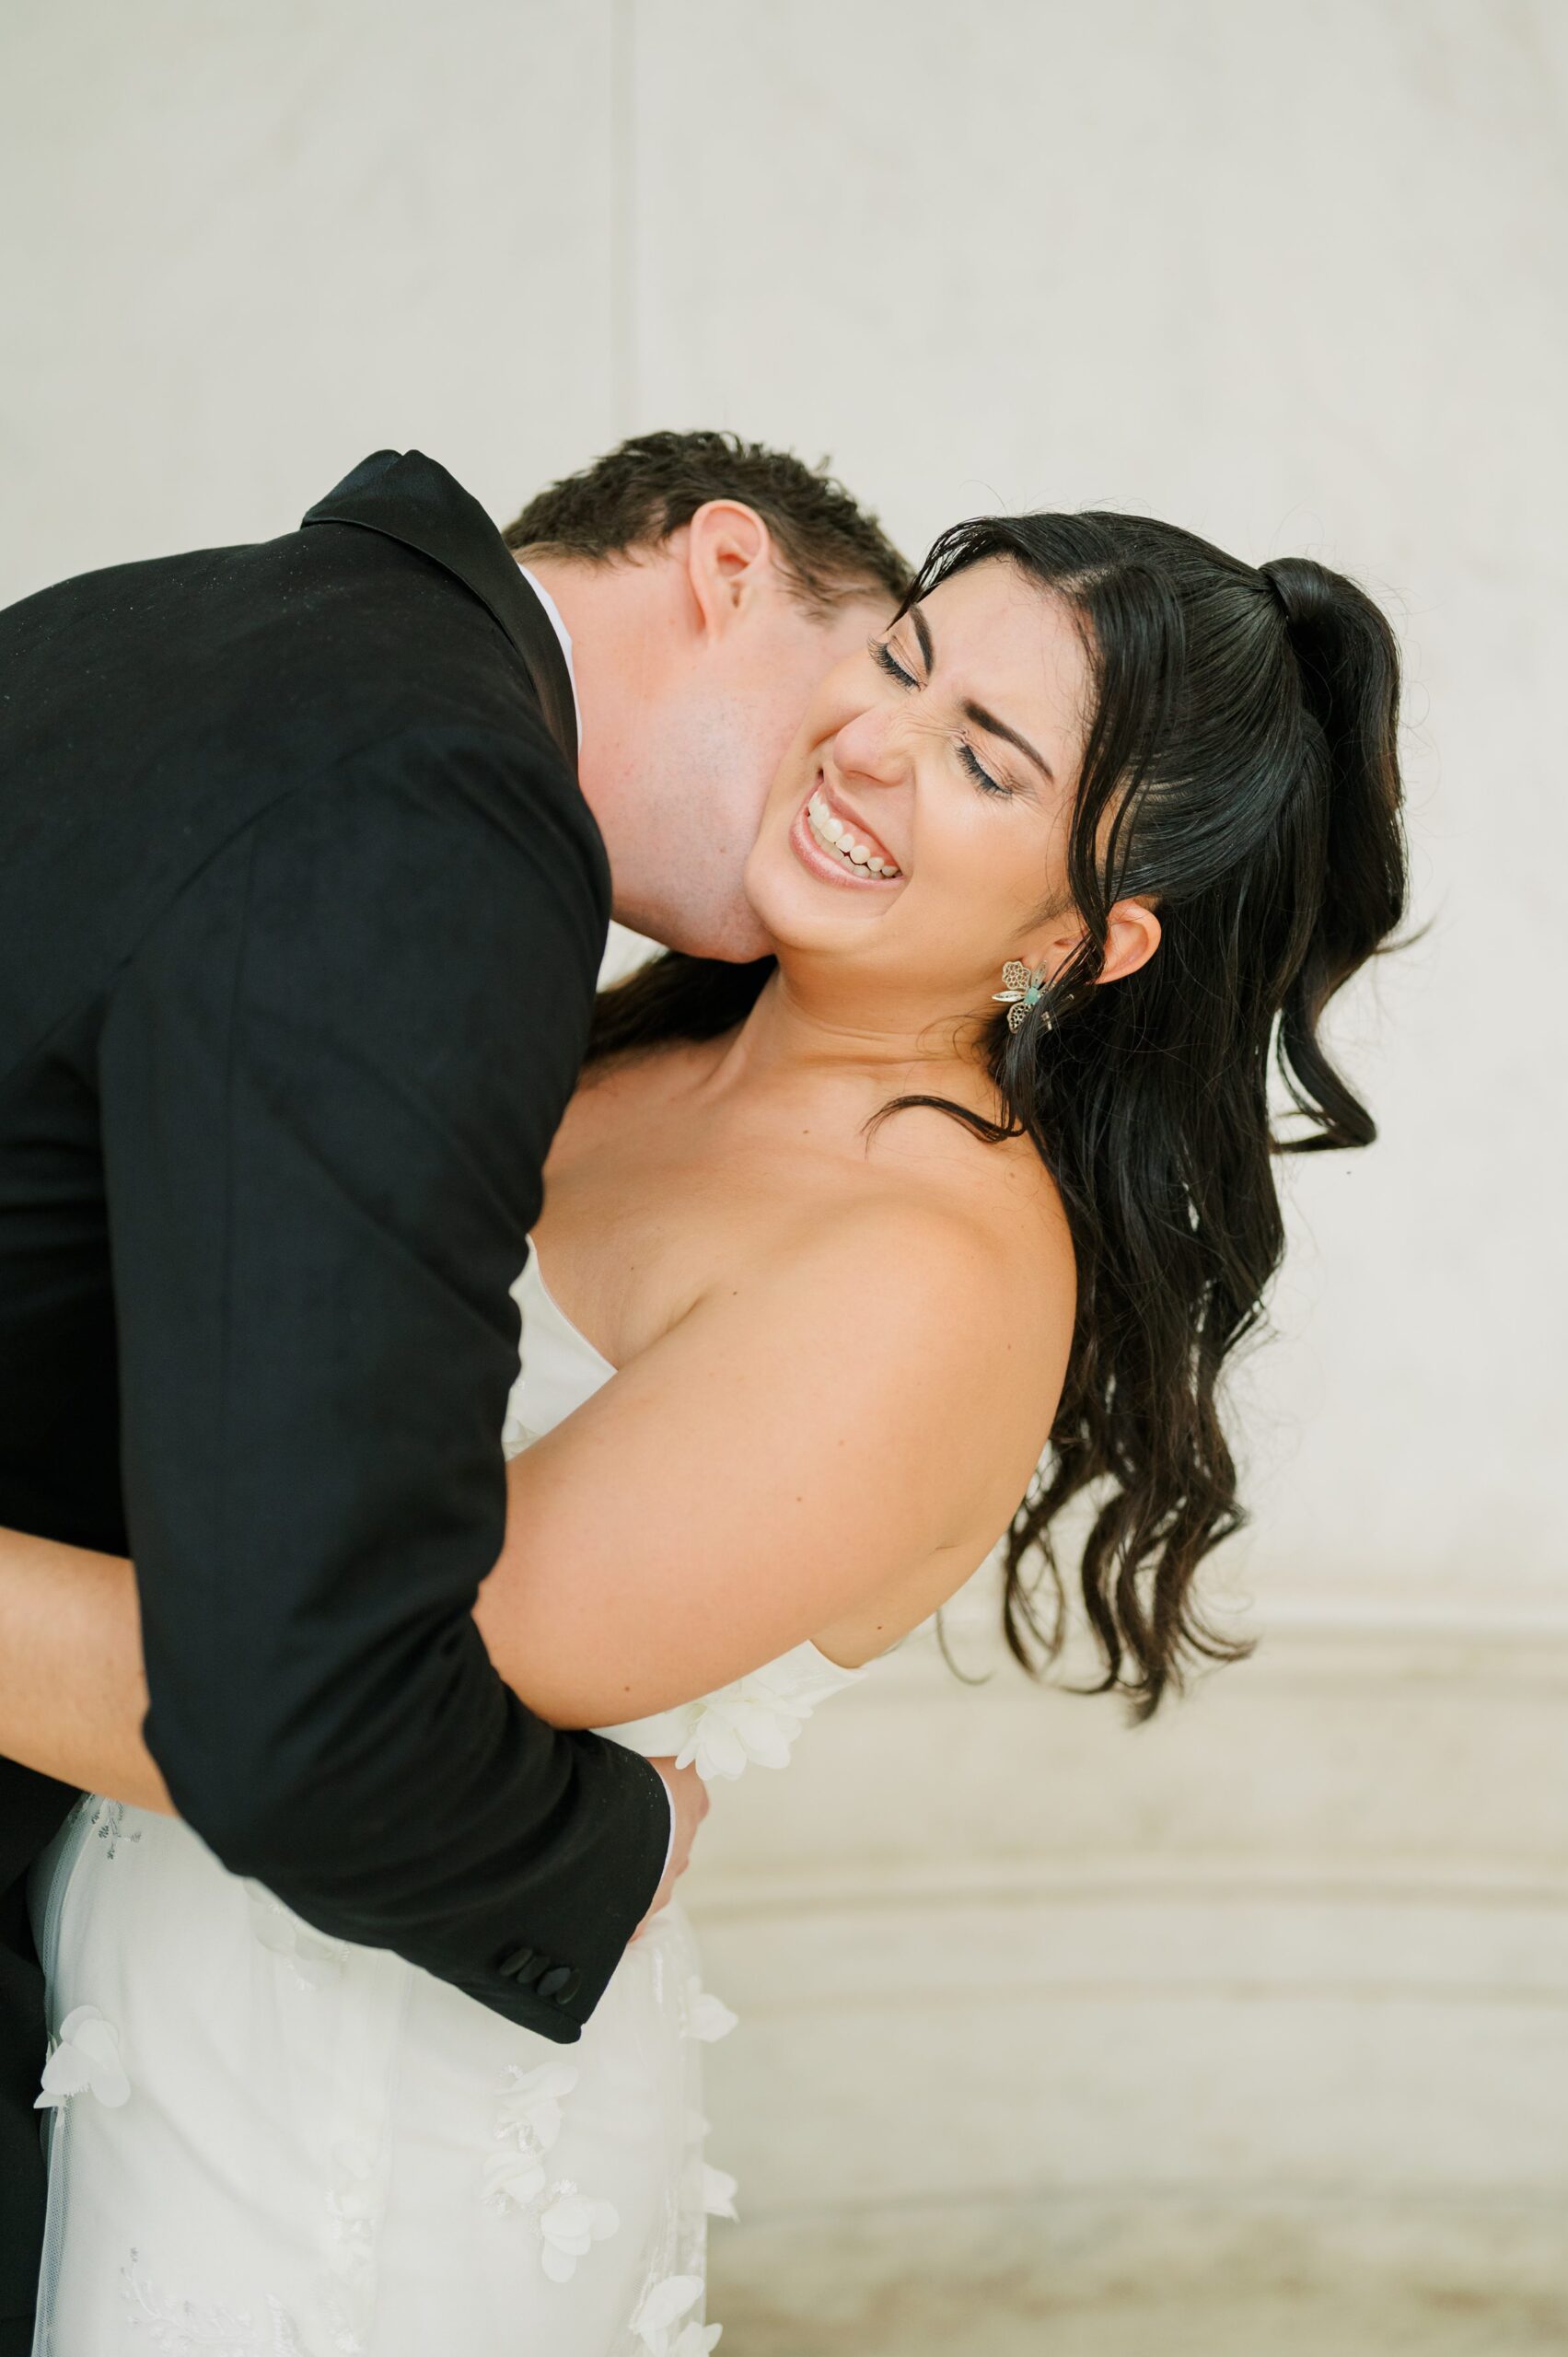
[(807, 1436)]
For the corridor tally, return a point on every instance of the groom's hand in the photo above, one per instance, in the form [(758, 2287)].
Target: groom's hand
[(688, 1807)]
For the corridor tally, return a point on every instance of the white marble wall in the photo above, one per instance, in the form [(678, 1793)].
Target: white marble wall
[(1292, 275)]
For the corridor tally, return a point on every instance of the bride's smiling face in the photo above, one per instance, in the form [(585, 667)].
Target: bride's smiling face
[(917, 825)]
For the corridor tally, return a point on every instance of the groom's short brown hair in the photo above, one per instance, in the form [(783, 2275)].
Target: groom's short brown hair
[(640, 493)]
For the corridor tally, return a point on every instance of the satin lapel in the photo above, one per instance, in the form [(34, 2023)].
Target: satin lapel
[(410, 498)]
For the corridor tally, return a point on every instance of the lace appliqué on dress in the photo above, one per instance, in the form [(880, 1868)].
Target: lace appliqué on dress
[(351, 2205), (108, 1818), (181, 2329)]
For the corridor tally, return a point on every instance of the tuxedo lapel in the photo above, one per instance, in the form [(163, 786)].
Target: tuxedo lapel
[(410, 498)]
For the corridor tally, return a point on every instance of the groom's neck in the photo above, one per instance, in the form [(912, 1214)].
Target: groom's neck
[(613, 612)]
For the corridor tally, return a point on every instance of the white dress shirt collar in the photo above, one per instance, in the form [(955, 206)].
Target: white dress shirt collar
[(563, 634)]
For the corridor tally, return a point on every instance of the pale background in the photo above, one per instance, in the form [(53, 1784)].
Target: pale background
[(1056, 2038)]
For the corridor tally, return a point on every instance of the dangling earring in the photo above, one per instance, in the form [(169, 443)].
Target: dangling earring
[(1021, 993)]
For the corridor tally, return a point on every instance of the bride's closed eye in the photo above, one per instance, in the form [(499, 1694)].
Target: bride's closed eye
[(882, 654)]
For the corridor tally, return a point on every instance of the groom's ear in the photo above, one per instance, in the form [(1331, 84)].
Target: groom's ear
[(729, 557)]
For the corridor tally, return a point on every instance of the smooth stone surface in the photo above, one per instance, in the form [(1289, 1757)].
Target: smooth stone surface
[(1293, 1957), (1075, 2278)]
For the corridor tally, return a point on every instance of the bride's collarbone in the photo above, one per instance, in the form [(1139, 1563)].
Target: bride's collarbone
[(651, 1204)]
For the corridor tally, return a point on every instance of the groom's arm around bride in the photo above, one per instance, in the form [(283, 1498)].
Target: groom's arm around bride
[(301, 914)]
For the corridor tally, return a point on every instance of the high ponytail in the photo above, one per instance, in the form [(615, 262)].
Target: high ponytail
[(1240, 771), (1349, 661)]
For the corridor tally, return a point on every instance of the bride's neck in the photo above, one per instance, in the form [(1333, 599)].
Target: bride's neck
[(807, 1027)]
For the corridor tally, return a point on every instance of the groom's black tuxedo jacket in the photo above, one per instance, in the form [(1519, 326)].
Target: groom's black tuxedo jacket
[(300, 916)]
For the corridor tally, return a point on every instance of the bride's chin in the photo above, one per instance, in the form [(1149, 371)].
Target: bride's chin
[(794, 903), (786, 918), (767, 882)]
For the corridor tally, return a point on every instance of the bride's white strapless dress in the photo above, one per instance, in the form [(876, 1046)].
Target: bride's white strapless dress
[(265, 2140)]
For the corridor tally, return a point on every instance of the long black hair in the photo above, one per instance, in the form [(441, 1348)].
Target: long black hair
[(1242, 771)]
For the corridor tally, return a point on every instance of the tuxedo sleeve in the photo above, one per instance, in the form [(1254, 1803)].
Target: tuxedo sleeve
[(328, 1080)]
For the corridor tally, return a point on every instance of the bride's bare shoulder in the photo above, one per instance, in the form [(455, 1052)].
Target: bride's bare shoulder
[(965, 1250), (934, 1167)]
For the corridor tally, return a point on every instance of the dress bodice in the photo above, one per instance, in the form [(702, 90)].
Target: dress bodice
[(753, 1721)]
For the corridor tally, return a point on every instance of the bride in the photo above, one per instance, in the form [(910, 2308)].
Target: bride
[(961, 1199)]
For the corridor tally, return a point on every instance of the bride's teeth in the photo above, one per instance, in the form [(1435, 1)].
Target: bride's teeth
[(835, 836)]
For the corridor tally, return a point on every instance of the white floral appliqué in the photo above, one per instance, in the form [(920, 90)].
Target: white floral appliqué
[(662, 2310), (707, 2017), (528, 2123), (570, 2226), (718, 2192), (755, 1721), (86, 2060), (697, 2340)]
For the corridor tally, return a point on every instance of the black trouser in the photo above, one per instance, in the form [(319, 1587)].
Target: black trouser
[(31, 1811)]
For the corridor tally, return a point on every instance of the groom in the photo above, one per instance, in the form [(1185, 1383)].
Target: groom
[(303, 891)]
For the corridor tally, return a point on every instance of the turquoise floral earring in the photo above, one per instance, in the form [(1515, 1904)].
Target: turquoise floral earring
[(1020, 994)]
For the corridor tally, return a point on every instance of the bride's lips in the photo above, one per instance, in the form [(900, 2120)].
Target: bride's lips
[(831, 865)]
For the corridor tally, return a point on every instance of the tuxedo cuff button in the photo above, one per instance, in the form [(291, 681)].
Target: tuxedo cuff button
[(552, 1983), (525, 1965)]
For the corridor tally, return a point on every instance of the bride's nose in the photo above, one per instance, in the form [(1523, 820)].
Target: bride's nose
[(873, 746)]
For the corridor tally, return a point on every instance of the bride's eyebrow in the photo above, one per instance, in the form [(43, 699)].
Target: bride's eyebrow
[(995, 728), (975, 711)]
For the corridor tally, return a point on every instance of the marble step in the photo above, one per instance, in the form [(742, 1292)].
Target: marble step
[(1070, 2276)]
